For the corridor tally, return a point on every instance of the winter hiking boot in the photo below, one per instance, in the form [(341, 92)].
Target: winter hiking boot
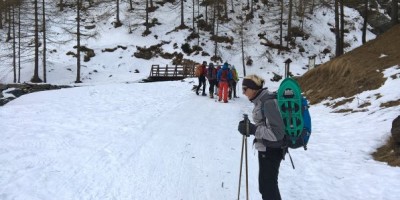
[(225, 101), (219, 99), (197, 92), (211, 96), (204, 94)]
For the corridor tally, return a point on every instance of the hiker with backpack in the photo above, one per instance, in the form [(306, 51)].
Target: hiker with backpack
[(216, 83), (233, 82), (223, 77), (212, 78), (269, 134), (201, 72)]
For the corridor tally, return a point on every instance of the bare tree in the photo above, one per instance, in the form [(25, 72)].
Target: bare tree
[(44, 40), (241, 30), (281, 25), (337, 28), (117, 23), (19, 44), (2, 6), (182, 15), (289, 28), (78, 42), (147, 31), (61, 4), (14, 47), (341, 27), (193, 17), (365, 24), (130, 5), (35, 78)]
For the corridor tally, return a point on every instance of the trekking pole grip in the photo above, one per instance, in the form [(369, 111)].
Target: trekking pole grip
[(246, 120)]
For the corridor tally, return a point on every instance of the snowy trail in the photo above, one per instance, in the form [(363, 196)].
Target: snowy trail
[(123, 141)]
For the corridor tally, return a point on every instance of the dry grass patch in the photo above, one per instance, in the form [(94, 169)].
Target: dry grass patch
[(365, 104), (343, 111), (390, 104), (387, 153), (342, 102), (355, 71)]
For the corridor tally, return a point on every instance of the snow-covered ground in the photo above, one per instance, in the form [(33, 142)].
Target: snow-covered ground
[(114, 138), (149, 141)]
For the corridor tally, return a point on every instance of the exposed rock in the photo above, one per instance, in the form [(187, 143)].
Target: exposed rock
[(25, 88), (396, 134)]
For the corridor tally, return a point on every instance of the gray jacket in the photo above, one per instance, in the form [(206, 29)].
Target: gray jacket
[(267, 118)]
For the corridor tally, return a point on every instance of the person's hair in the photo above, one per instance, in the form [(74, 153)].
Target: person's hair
[(258, 81)]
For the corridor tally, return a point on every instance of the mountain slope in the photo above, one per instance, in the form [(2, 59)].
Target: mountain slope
[(356, 71)]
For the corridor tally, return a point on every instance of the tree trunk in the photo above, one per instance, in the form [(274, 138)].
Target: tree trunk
[(242, 44), (9, 25), (35, 78), (365, 24), (147, 17), (312, 7), (19, 44), (395, 12), (337, 32), (281, 25), (118, 21), (215, 32), (206, 13), (78, 43), (1, 14), (193, 16), (130, 5), (61, 5), (226, 9), (44, 41), (182, 15), (341, 27), (251, 8), (14, 47), (289, 35)]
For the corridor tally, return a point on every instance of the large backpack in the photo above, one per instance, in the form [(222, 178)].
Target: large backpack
[(224, 75), (198, 71), (295, 121), (295, 114), (211, 73)]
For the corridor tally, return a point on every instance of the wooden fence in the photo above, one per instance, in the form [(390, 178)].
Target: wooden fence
[(158, 73)]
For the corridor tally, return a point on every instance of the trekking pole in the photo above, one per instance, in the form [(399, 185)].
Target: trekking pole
[(241, 163), (244, 145), (246, 118)]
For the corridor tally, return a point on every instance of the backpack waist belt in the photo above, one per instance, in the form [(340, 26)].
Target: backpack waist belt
[(272, 144)]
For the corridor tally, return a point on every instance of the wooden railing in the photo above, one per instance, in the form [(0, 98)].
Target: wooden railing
[(158, 73)]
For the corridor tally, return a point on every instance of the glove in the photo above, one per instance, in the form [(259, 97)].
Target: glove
[(243, 130)]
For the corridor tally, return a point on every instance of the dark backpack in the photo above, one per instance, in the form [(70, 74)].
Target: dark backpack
[(211, 73)]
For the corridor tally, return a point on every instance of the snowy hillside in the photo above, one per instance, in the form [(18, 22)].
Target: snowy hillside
[(119, 66)]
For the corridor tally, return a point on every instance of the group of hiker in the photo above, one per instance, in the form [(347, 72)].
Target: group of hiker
[(223, 78)]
